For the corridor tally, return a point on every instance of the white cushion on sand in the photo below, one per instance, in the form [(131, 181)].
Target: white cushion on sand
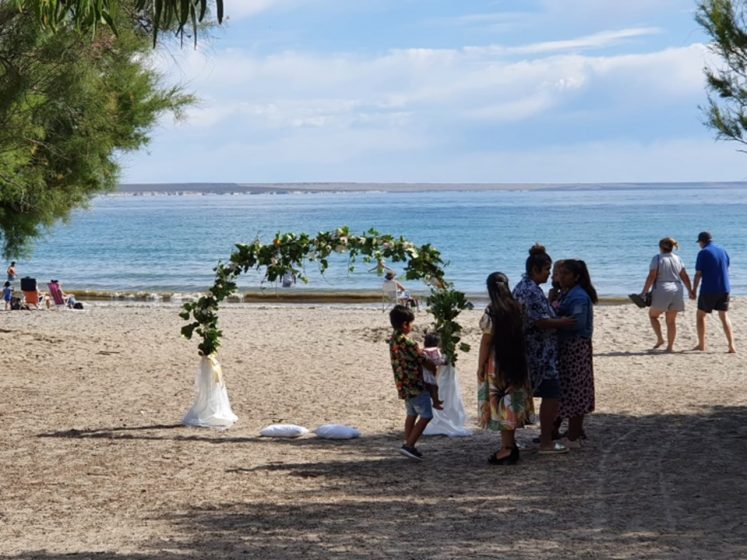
[(336, 431), (283, 430)]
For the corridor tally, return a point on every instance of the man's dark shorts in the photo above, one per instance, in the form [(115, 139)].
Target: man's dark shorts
[(709, 302), (548, 389)]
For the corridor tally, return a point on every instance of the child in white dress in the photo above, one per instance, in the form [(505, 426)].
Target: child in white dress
[(432, 351)]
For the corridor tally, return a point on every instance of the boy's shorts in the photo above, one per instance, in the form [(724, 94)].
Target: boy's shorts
[(419, 406)]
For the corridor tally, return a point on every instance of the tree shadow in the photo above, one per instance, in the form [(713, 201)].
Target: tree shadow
[(665, 486)]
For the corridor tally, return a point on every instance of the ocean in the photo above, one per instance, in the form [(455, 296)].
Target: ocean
[(166, 243)]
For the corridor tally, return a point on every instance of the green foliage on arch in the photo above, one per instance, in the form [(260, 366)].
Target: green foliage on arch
[(288, 252)]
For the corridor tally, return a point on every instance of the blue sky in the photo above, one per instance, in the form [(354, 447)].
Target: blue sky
[(548, 91)]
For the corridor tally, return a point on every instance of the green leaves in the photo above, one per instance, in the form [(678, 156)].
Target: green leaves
[(69, 106), (724, 21), (286, 254), (178, 16)]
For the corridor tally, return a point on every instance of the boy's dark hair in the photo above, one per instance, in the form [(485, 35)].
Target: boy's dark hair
[(7, 283), (432, 340), (399, 315)]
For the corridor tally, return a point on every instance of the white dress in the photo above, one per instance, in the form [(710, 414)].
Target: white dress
[(211, 408), (449, 421)]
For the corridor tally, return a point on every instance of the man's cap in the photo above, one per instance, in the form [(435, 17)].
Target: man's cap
[(704, 237)]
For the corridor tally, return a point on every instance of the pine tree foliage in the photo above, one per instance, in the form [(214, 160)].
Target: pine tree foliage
[(163, 15), (70, 102), (725, 21)]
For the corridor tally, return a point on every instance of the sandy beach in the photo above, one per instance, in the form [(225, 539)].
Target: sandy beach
[(95, 463)]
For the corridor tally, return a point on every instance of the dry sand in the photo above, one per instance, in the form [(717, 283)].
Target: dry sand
[(94, 463)]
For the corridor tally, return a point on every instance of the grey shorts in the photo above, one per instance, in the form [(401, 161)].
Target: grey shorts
[(668, 296)]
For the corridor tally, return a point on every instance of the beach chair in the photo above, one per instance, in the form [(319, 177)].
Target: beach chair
[(55, 293), (391, 295)]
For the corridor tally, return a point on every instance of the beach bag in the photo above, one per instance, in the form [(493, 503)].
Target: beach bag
[(15, 303), (78, 305)]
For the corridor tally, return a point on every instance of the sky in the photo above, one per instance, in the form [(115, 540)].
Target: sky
[(442, 91)]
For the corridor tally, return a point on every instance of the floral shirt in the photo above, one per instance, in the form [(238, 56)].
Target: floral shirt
[(541, 345), (406, 365)]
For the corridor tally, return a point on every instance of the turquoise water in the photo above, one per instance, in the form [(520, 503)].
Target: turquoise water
[(171, 243)]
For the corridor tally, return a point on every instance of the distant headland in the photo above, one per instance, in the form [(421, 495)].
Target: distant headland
[(287, 188)]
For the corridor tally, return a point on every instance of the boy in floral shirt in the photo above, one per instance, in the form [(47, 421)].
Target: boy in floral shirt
[(407, 363)]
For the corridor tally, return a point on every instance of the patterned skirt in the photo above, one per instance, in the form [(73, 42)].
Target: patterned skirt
[(576, 365), (499, 410)]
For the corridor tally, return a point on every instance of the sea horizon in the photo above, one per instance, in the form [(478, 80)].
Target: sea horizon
[(163, 243)]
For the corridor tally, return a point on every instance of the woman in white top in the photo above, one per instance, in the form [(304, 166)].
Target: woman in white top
[(666, 276)]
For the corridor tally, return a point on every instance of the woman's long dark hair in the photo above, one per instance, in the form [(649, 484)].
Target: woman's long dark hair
[(508, 332), (579, 270)]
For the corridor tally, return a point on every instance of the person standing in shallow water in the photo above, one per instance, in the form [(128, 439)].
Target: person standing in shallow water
[(540, 338), (11, 272), (712, 268)]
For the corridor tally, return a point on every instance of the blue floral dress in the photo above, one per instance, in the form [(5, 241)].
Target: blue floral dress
[(541, 345)]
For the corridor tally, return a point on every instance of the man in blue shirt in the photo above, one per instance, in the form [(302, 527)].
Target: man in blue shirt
[(712, 268)]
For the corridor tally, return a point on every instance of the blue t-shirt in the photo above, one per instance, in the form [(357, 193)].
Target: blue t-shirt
[(7, 293), (577, 304), (713, 265)]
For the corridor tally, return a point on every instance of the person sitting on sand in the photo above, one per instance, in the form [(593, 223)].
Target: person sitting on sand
[(391, 284), (666, 276), (432, 351)]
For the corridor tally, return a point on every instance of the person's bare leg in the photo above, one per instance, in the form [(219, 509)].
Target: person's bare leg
[(416, 431), (549, 409), (653, 316), (575, 427), (508, 441), (700, 324), (409, 423), (671, 319), (726, 323)]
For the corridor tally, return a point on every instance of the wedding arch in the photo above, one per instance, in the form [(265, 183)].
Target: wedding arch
[(288, 253)]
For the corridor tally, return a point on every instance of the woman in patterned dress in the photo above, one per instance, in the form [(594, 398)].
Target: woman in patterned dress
[(503, 395), (541, 341), (575, 356)]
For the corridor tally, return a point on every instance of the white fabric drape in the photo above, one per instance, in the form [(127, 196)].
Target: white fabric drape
[(211, 408), (449, 421)]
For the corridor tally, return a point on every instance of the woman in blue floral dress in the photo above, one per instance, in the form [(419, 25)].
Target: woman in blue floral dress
[(540, 337), (503, 391)]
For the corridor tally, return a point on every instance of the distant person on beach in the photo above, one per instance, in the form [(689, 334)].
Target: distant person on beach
[(504, 398), (541, 343), (288, 280), (432, 351), (407, 362), (712, 268), (666, 276), (7, 294), (575, 355), (11, 272), (391, 284)]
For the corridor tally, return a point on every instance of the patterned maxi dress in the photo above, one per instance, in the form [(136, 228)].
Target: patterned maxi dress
[(497, 409)]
